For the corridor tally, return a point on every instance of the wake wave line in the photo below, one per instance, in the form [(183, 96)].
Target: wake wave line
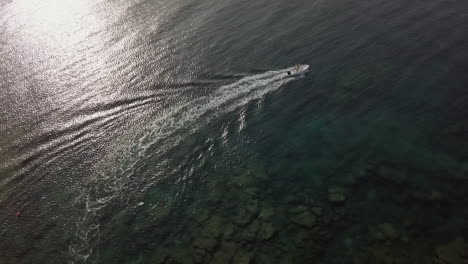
[(168, 130)]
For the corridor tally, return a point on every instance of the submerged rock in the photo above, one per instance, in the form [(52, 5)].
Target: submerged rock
[(250, 233), (228, 231), (300, 239), (384, 232), (391, 174), (244, 180), (305, 219), (258, 170), (298, 209), (225, 253), (428, 196), (246, 213), (360, 170), (455, 252), (243, 217), (242, 257), (216, 196), (336, 195), (178, 255), (264, 258), (252, 207), (267, 231), (214, 227), (205, 243), (350, 179), (292, 199), (388, 231), (317, 211), (377, 235), (386, 255), (252, 191), (461, 176), (199, 255), (336, 198), (201, 216), (266, 213), (162, 212), (355, 174)]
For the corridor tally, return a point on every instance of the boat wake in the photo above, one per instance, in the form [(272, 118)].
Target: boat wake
[(166, 131)]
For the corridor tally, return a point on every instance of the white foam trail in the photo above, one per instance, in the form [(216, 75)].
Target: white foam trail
[(167, 131)]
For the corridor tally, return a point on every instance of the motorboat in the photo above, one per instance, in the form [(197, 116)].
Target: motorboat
[(297, 70)]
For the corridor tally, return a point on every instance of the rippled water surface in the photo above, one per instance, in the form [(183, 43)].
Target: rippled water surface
[(167, 131)]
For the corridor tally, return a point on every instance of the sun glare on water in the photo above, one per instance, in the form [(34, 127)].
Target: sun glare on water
[(52, 11), (61, 42), (54, 22)]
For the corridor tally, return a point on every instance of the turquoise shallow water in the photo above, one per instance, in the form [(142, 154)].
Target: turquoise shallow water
[(166, 132)]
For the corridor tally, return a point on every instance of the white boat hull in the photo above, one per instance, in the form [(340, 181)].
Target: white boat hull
[(295, 71)]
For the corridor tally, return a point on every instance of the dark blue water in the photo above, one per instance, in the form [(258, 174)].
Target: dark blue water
[(166, 131)]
